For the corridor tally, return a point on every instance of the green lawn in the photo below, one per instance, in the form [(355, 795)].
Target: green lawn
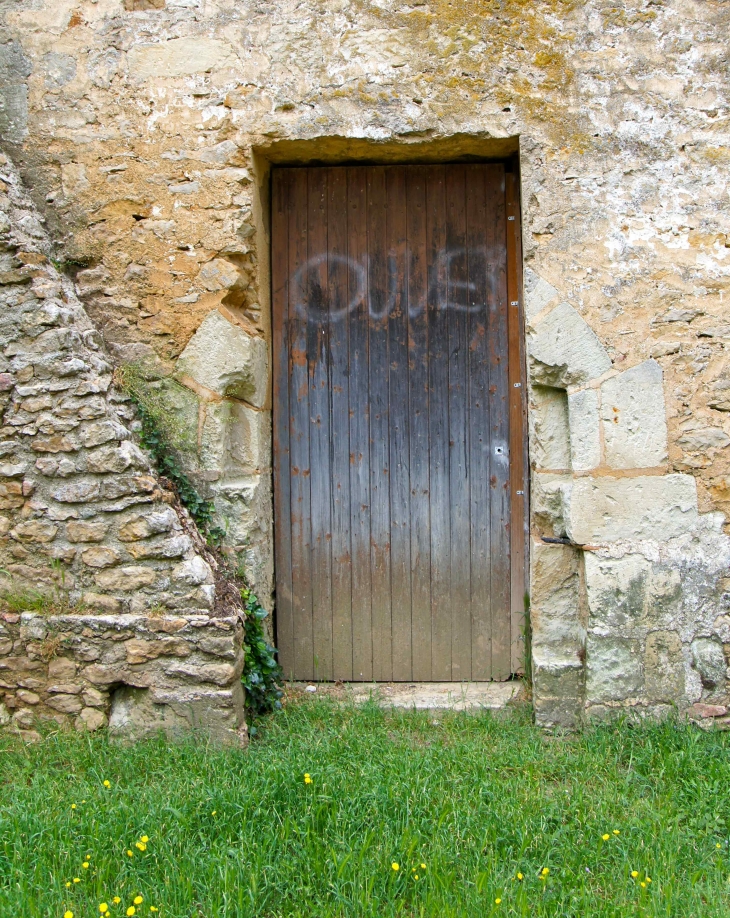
[(477, 799)]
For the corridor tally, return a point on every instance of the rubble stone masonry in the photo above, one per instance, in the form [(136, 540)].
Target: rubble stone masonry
[(145, 132)]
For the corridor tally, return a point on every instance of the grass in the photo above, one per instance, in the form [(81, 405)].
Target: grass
[(476, 799)]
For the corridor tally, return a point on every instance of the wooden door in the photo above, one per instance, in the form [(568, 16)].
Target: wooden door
[(398, 422)]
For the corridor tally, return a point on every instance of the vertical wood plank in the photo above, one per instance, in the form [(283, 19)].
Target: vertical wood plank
[(517, 421), (479, 244), (379, 384), (400, 483), (418, 396), (339, 279), (499, 429), (280, 190), (362, 635), (458, 302), (318, 360), (299, 429), (438, 425)]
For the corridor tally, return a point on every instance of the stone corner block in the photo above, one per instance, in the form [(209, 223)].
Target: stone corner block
[(656, 507), (585, 433), (634, 417), (223, 358), (565, 351), (538, 293)]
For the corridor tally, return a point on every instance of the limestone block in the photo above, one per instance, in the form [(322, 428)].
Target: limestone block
[(222, 357), (538, 293), (61, 669), (34, 531), (78, 492), (704, 438), (585, 434), (141, 651), (91, 719), (193, 572), (221, 274), (616, 589), (215, 673), (126, 579), (66, 704), (178, 57), (550, 440), (646, 507), (555, 615), (144, 525), (116, 458), (564, 351), (664, 667), (708, 658), (634, 418), (614, 668), (83, 531), (174, 547), (100, 556)]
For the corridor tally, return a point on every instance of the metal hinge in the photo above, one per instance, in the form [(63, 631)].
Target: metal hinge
[(517, 385), (510, 218), (514, 302), (519, 492)]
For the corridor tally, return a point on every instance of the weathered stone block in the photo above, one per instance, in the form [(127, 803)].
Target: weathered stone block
[(223, 358), (83, 531), (555, 614), (174, 547), (100, 556), (34, 531), (647, 507), (66, 704), (145, 525), (178, 57), (538, 293), (664, 667), (708, 658), (614, 668), (126, 579), (550, 440), (564, 351), (585, 434), (634, 417), (616, 589)]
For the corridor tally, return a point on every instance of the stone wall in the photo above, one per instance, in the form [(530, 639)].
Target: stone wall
[(146, 132), (123, 585)]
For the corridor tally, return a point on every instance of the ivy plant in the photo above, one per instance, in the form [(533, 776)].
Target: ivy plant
[(262, 676)]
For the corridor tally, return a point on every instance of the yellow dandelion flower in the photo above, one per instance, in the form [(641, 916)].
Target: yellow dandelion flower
[(138, 900), (423, 866), (634, 873), (520, 876), (616, 832), (140, 845), (85, 865), (648, 879), (606, 836), (545, 871), (116, 900), (497, 901), (77, 880), (131, 910), (144, 839), (103, 908), (395, 865), (130, 853), (68, 883), (73, 807), (107, 784), (214, 812), (718, 845), (415, 876), (68, 915), (307, 778), (643, 884)]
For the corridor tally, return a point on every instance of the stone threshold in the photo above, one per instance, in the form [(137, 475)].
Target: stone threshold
[(421, 696)]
